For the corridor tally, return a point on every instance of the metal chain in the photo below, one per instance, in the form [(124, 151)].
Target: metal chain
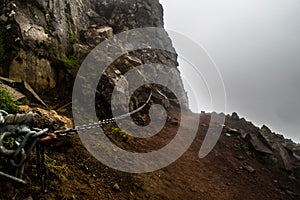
[(114, 119), (111, 120)]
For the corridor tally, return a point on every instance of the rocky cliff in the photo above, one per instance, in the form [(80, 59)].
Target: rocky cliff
[(43, 42)]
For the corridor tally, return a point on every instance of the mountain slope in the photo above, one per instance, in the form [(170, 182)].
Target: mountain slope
[(233, 170)]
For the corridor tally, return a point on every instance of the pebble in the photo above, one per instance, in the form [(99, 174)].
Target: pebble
[(250, 169), (116, 187), (228, 135), (174, 122), (290, 193), (240, 157), (29, 198)]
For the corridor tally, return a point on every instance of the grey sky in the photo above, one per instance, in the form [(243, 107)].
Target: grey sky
[(256, 46)]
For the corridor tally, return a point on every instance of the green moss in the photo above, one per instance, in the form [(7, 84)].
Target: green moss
[(7, 103), (34, 189), (57, 169), (70, 62), (72, 36), (293, 178), (116, 132)]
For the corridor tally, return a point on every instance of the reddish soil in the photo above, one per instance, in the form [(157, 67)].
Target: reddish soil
[(220, 175)]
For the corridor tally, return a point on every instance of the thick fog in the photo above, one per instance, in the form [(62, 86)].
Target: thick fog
[(256, 46)]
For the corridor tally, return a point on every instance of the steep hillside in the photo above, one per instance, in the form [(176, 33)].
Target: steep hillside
[(235, 169)]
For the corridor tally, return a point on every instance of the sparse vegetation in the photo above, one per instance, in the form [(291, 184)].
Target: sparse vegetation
[(116, 132), (7, 103), (293, 178), (57, 169), (70, 62), (34, 189), (72, 36)]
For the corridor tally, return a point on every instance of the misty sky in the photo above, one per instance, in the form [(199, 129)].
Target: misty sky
[(256, 46)]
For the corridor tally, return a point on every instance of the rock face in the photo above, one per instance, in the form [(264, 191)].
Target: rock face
[(38, 33), (44, 41)]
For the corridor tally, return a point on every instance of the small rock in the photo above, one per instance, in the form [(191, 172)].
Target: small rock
[(3, 18), (228, 135), (238, 172), (234, 131), (204, 125), (116, 187), (296, 155), (29, 198), (221, 125), (249, 169), (240, 157), (8, 27), (290, 193), (174, 122), (105, 32), (282, 193)]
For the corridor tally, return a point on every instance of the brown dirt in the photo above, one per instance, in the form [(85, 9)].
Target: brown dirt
[(218, 176)]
